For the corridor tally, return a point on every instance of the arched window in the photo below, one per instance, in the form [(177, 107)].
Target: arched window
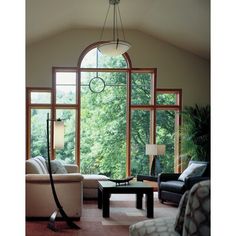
[(103, 113), (111, 112), (94, 59)]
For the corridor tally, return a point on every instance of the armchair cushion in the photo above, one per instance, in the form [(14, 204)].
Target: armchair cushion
[(173, 186), (168, 176), (193, 170)]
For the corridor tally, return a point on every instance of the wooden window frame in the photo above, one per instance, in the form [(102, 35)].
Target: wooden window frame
[(30, 106), (153, 107)]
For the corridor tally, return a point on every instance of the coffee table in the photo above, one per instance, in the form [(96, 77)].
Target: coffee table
[(106, 188)]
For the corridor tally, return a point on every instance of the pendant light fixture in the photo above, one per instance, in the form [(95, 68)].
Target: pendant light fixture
[(116, 46)]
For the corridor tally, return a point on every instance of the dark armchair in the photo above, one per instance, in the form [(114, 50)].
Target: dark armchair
[(171, 189)]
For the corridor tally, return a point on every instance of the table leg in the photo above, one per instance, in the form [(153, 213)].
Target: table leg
[(139, 200), (99, 198), (149, 204), (106, 204)]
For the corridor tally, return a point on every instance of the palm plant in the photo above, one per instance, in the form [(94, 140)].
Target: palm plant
[(195, 132)]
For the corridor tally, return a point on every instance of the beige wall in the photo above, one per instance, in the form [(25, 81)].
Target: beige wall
[(176, 68)]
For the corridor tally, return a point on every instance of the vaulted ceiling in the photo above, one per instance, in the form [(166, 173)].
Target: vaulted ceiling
[(183, 23)]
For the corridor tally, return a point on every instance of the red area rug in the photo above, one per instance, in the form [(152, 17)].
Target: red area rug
[(122, 214)]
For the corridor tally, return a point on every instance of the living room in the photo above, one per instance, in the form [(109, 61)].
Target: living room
[(141, 98)]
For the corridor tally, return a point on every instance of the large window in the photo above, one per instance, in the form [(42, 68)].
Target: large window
[(111, 111)]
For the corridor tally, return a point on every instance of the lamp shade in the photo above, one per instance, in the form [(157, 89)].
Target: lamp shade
[(58, 135), (114, 48), (155, 149), (151, 149), (161, 149)]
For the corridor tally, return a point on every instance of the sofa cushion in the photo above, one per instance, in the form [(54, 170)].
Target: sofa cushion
[(179, 223), (36, 165), (193, 170), (57, 167), (173, 186)]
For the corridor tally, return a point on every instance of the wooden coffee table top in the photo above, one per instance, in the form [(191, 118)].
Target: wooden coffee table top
[(137, 184)]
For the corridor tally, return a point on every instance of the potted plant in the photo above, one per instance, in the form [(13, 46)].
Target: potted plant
[(195, 133)]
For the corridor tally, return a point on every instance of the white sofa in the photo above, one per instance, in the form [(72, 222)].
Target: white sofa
[(39, 197), (90, 184)]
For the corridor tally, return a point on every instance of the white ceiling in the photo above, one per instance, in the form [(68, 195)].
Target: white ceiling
[(183, 23)]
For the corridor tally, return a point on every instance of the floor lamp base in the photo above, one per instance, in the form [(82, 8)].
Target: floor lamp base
[(52, 222)]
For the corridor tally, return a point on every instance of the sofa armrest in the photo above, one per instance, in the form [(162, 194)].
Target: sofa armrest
[(190, 181), (57, 178), (168, 176), (72, 168)]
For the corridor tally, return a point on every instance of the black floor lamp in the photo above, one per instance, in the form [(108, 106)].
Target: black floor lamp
[(58, 143)]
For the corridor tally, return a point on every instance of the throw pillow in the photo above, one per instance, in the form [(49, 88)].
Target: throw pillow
[(179, 222), (195, 169), (57, 167)]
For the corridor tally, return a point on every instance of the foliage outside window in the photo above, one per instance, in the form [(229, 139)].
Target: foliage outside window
[(140, 136), (103, 126), (38, 141)]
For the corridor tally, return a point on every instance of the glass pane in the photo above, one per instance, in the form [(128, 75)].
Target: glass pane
[(65, 94), (63, 78), (103, 126), (141, 88), (140, 136), (166, 99), (166, 135), (38, 135), (65, 87), (67, 154), (40, 97), (94, 60)]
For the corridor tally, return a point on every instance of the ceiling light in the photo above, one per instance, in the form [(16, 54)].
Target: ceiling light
[(116, 46)]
